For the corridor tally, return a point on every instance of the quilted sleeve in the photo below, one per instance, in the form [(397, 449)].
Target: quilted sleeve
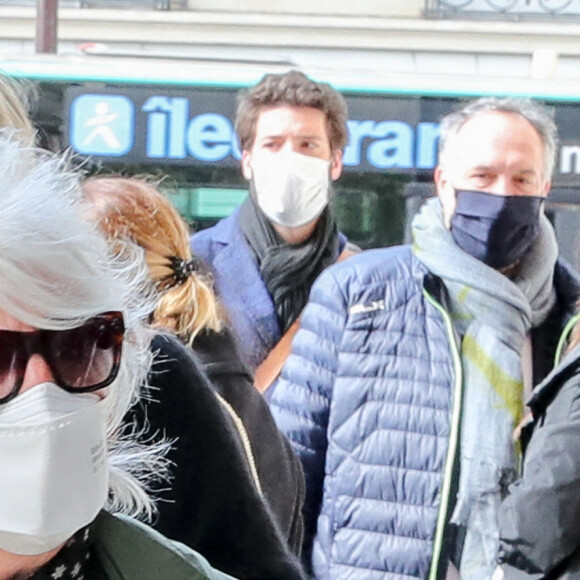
[(300, 400)]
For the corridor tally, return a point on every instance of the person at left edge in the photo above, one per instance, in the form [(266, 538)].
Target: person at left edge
[(73, 352)]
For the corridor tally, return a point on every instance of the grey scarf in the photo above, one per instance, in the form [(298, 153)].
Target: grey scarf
[(493, 314)]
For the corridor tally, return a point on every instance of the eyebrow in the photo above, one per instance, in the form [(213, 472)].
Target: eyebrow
[(491, 168), (313, 137), (299, 136)]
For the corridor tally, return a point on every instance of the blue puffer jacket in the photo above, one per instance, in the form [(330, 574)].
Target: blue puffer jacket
[(370, 399), (241, 288), (372, 346)]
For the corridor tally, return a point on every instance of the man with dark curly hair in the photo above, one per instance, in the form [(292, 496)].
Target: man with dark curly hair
[(292, 132)]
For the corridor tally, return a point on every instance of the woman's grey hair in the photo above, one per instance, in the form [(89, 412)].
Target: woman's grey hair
[(56, 272), (540, 117)]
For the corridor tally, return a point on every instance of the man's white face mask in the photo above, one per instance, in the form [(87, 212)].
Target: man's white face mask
[(290, 188), (54, 477)]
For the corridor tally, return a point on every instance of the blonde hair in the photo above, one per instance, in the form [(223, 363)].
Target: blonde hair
[(14, 97), (129, 209)]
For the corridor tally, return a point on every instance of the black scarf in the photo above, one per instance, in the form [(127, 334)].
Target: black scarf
[(288, 270), (71, 561)]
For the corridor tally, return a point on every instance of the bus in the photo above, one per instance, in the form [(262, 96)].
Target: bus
[(174, 119)]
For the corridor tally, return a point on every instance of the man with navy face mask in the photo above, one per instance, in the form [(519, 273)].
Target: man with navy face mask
[(492, 196), (412, 365)]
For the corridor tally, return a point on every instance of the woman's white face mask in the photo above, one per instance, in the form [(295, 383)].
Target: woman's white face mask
[(290, 188), (54, 476)]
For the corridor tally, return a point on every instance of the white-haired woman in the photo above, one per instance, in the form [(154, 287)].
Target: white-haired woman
[(73, 353)]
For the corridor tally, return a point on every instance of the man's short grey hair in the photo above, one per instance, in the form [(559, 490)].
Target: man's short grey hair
[(56, 272), (539, 116)]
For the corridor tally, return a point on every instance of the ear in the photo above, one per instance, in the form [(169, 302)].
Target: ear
[(335, 164), (246, 164), (547, 187), (445, 193)]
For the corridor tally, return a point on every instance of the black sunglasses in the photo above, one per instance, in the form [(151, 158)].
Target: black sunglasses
[(81, 359)]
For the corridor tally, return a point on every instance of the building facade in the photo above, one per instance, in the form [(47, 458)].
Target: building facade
[(174, 66)]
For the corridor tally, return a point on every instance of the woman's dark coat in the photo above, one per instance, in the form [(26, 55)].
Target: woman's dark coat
[(213, 504), (279, 470)]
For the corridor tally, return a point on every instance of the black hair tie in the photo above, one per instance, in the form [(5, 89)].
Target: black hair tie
[(182, 269)]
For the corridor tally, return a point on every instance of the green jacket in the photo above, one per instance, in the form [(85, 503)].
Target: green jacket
[(129, 550)]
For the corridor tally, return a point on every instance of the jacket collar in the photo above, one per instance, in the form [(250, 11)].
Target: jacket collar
[(567, 284), (545, 392), (241, 283), (226, 230)]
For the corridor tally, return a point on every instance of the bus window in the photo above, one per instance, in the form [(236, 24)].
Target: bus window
[(370, 209), (356, 214), (205, 204)]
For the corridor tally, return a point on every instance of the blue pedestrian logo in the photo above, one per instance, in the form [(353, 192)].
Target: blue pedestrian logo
[(102, 125)]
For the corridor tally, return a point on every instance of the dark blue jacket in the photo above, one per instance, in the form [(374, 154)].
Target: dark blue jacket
[(371, 400), (240, 287)]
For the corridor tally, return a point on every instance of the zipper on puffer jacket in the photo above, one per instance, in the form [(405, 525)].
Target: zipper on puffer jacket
[(453, 436), (246, 444)]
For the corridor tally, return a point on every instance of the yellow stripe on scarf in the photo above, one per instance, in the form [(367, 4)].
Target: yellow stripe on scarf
[(510, 391)]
